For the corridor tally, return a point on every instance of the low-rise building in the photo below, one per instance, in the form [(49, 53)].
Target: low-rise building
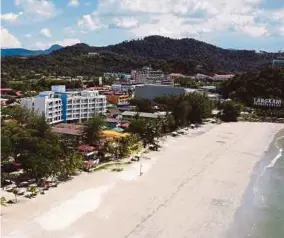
[(128, 115), (61, 105), (209, 88), (222, 77), (122, 87), (118, 99), (278, 62), (152, 91)]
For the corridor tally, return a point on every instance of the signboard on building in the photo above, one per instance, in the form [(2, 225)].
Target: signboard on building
[(267, 102)]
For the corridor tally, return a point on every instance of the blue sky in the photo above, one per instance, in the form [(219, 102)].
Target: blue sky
[(240, 24)]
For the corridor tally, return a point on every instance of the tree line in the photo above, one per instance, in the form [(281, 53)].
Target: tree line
[(27, 139), (267, 83), (187, 56)]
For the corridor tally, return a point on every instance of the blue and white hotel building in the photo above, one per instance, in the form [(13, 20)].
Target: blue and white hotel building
[(59, 105)]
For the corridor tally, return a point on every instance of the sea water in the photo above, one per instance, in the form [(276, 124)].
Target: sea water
[(261, 214)]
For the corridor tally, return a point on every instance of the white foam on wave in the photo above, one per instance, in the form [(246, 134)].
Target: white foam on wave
[(273, 162), (71, 210)]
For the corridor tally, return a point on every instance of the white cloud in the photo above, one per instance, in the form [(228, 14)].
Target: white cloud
[(177, 18), (8, 40), (28, 35), (125, 22), (254, 31), (68, 42), (177, 26), (35, 8), (166, 25), (65, 42), (90, 22), (278, 15), (45, 32), (69, 30), (10, 17), (281, 30), (73, 3), (176, 6)]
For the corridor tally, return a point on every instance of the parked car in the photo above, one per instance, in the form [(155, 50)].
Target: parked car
[(174, 134), (135, 158)]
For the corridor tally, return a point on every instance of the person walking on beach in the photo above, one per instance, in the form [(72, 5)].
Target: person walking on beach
[(141, 169)]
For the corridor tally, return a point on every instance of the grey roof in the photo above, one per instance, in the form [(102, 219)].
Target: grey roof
[(144, 114), (209, 87), (190, 90)]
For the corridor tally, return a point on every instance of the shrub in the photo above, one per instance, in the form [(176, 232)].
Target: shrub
[(230, 111)]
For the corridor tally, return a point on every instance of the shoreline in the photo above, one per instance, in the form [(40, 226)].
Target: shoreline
[(243, 224), (199, 176)]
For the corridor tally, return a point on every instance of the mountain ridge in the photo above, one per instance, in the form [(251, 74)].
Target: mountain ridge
[(27, 52), (187, 56)]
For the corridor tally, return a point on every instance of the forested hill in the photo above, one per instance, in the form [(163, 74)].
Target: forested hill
[(186, 56)]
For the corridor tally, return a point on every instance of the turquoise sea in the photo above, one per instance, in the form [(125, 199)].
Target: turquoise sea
[(262, 212)]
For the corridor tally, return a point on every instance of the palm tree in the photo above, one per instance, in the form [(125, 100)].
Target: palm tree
[(3, 202), (93, 128)]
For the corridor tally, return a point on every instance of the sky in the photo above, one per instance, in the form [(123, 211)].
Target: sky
[(238, 24)]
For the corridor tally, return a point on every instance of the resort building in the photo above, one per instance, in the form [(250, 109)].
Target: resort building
[(147, 75), (61, 105)]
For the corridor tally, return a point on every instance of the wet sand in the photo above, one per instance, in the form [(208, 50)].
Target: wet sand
[(191, 188)]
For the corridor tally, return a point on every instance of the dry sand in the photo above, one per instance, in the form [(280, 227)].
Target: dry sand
[(191, 188)]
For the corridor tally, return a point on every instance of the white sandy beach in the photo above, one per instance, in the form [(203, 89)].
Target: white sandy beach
[(191, 188)]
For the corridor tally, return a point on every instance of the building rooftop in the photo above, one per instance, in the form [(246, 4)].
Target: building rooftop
[(223, 76), (190, 90), (145, 114), (209, 87), (69, 129)]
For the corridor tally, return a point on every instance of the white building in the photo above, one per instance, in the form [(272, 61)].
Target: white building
[(83, 105), (122, 87), (45, 104), (147, 75), (58, 105)]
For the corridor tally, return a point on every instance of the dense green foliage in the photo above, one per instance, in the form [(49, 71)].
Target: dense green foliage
[(143, 105), (188, 82), (147, 130), (28, 140), (182, 110), (268, 83), (230, 111), (93, 129), (186, 56), (186, 109)]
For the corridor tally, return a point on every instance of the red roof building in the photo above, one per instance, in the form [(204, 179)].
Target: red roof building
[(86, 148)]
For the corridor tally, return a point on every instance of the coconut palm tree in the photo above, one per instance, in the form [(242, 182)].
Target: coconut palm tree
[(93, 128)]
